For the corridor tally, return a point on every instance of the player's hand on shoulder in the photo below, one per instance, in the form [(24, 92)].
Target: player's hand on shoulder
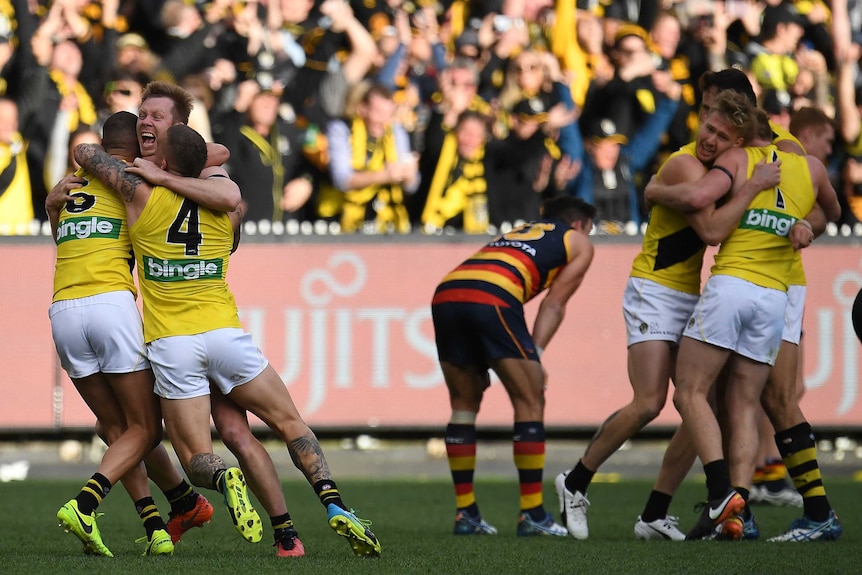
[(766, 175), (59, 194), (147, 170)]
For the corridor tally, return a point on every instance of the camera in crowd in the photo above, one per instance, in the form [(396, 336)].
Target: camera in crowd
[(503, 23), (271, 70)]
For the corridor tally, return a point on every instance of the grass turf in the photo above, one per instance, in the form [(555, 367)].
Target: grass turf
[(413, 520)]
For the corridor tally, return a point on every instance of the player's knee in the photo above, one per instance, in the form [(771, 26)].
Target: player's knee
[(157, 437), (100, 431), (648, 407), (109, 432), (236, 438)]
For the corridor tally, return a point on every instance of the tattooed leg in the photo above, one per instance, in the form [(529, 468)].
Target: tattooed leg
[(203, 468), (307, 456)]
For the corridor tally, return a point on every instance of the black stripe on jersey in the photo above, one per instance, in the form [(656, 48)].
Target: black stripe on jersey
[(676, 248)]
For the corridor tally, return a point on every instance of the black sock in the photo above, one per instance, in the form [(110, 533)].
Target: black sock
[(182, 498), (218, 480), (281, 522), (799, 450), (717, 479), (327, 492), (92, 493), (536, 513), (656, 506), (149, 514), (579, 479)]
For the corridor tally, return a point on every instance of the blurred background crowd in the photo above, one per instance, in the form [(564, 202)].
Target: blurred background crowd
[(420, 116)]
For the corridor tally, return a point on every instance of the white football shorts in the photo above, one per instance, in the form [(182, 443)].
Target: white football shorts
[(793, 314), (655, 312), (100, 333), (184, 365), (740, 316)]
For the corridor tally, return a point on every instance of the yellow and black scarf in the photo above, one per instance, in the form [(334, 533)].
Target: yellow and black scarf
[(384, 204), (269, 156), (85, 113), (458, 187)]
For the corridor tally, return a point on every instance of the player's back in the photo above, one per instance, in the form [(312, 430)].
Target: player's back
[(94, 252), (183, 251), (759, 250), (672, 252), (511, 269)]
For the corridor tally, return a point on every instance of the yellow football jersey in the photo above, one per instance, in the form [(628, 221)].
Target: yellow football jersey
[(672, 252), (759, 250), (182, 252), (94, 253)]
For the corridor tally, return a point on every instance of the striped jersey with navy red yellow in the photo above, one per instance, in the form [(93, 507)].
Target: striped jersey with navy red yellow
[(512, 269)]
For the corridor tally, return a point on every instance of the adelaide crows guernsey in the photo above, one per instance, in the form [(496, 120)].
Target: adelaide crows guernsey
[(512, 269)]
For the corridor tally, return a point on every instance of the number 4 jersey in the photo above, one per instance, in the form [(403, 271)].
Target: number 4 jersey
[(182, 252), (94, 254)]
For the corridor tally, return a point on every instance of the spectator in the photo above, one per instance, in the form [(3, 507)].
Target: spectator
[(266, 160), (458, 92), (849, 111), (457, 190), (665, 36), (371, 168), (772, 56), (615, 154), (60, 157), (631, 90), (16, 208), (597, 64), (779, 105), (59, 101), (7, 50), (199, 119), (513, 166), (534, 75), (122, 93), (336, 52), (812, 86), (133, 54)]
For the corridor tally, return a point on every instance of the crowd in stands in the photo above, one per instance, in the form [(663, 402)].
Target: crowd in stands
[(422, 116)]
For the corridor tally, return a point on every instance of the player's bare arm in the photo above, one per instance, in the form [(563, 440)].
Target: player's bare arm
[(213, 189), (58, 196), (689, 195), (714, 224), (678, 170), (133, 189), (552, 310), (217, 154), (827, 197), (790, 147)]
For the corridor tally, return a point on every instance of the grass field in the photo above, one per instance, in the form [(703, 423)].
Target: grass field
[(413, 521)]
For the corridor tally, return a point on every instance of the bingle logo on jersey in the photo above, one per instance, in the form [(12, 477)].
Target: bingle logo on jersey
[(91, 227), (161, 270), (768, 221)]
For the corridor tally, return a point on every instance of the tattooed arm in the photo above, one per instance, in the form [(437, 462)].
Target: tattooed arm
[(133, 189)]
